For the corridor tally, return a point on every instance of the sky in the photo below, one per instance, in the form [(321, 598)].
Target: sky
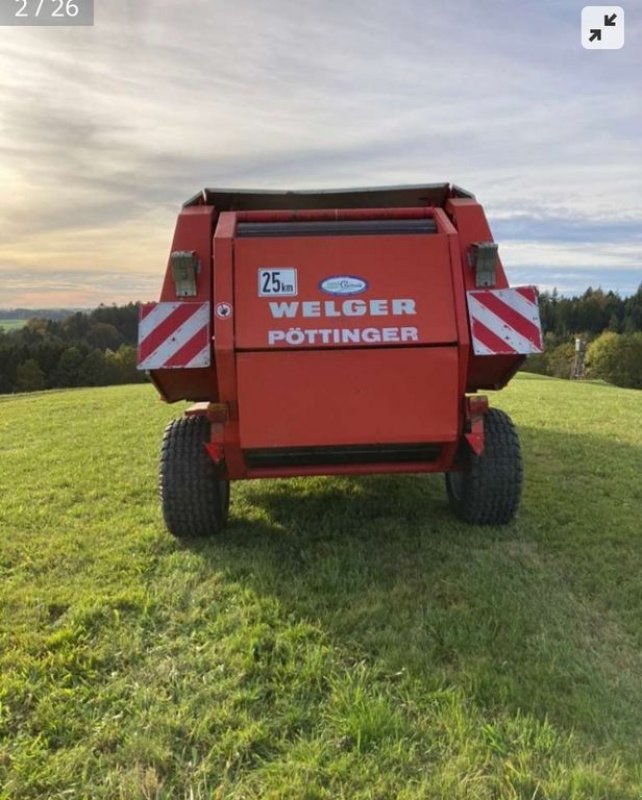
[(105, 131)]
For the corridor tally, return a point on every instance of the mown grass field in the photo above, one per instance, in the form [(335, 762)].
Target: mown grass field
[(12, 324), (346, 638)]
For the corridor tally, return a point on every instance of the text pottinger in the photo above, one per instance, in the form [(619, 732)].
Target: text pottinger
[(296, 336)]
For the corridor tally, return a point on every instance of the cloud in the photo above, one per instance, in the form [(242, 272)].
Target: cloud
[(106, 130), (625, 257), (60, 288)]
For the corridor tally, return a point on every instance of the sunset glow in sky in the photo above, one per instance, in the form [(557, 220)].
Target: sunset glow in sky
[(105, 131)]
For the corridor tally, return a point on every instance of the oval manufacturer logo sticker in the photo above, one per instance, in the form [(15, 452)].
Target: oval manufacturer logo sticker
[(343, 284)]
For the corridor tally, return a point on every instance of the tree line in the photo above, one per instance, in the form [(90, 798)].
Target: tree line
[(591, 313), (609, 326), (96, 348)]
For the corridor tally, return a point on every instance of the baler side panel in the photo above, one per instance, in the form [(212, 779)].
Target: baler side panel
[(193, 232), (469, 219), (458, 294), (472, 226)]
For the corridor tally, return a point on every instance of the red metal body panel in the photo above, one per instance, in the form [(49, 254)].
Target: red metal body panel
[(348, 397), (224, 319), (410, 292), (470, 221), (193, 232), (458, 289)]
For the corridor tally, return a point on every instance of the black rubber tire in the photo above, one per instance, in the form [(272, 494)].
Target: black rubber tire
[(488, 490), (194, 499)]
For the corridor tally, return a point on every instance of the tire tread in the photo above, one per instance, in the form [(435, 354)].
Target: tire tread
[(194, 499), (491, 487)]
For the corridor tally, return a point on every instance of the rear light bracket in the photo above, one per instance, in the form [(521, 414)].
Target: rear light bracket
[(185, 267), (482, 257)]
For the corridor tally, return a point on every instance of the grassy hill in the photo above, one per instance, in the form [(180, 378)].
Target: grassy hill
[(346, 638)]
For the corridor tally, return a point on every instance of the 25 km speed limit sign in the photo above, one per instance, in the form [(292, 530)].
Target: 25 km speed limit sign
[(277, 282)]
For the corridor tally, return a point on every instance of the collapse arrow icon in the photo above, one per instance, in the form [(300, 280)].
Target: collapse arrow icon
[(596, 33), (609, 20)]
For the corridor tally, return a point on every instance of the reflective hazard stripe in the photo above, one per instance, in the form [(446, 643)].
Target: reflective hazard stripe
[(505, 321), (174, 335)]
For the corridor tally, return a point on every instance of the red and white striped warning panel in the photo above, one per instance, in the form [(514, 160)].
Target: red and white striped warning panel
[(505, 321), (174, 335)]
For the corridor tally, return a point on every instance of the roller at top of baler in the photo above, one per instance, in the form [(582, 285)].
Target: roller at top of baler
[(336, 332)]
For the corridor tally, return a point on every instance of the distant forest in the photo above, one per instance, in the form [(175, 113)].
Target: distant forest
[(98, 348), (609, 326), (95, 348), (591, 313)]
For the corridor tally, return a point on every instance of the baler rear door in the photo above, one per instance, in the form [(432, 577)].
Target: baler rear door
[(345, 338)]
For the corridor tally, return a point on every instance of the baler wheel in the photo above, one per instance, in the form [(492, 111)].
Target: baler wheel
[(195, 500), (488, 490)]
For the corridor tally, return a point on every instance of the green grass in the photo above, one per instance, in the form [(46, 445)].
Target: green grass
[(12, 324), (346, 638)]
